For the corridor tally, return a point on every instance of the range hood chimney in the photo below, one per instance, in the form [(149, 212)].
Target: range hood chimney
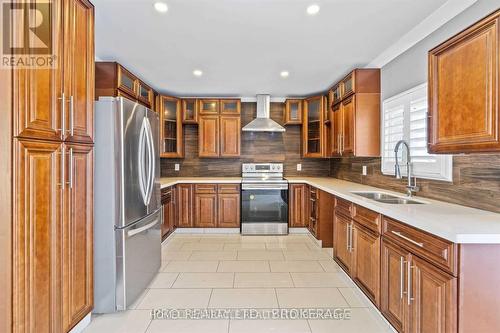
[(263, 122)]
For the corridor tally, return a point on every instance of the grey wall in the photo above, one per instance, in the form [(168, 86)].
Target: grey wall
[(410, 68)]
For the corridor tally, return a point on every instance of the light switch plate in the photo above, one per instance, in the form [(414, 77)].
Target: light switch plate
[(365, 172), (299, 167), (177, 167)]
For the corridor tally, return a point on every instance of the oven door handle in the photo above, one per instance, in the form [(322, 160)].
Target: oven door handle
[(264, 187)]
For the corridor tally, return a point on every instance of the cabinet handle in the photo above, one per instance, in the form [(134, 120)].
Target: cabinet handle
[(61, 166), (351, 238), (71, 115), (70, 168), (408, 293), (63, 115), (347, 237), (397, 233), (402, 263)]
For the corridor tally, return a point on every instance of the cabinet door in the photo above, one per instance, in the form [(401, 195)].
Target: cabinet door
[(342, 232), (37, 236), (37, 93), (79, 69), (228, 210), (366, 262), (464, 116), (230, 106), (208, 136), (337, 130), (205, 207), (293, 111), (433, 299), (297, 207), (337, 93), (209, 106), (77, 229), (348, 126), (190, 111), (145, 94), (127, 82), (230, 136), (171, 128), (393, 298), (184, 204), (348, 85), (313, 127)]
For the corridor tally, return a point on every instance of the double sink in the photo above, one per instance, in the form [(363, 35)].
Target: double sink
[(388, 198)]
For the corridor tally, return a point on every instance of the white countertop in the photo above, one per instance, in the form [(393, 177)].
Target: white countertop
[(455, 223)]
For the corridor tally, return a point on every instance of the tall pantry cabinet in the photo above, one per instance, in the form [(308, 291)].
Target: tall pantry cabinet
[(52, 170)]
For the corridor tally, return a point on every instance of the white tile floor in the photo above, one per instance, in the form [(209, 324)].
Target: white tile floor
[(251, 272)]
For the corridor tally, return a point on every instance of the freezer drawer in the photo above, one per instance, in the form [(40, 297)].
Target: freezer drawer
[(138, 258)]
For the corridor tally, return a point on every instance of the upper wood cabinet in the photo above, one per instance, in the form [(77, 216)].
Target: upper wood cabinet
[(190, 111), (464, 74), (293, 112), (219, 128), (356, 115), (112, 79), (209, 106), (171, 136), (208, 136), (57, 103), (312, 127)]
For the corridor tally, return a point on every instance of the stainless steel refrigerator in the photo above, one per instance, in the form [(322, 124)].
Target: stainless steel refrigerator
[(127, 236)]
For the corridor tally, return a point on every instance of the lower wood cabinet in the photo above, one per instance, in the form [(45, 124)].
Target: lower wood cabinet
[(169, 211), (228, 210), (184, 205), (342, 241), (365, 251), (297, 208), (416, 295), (205, 208), (52, 235)]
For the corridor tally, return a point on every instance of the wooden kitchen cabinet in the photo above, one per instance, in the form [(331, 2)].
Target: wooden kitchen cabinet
[(230, 138), (293, 112), (205, 210), (171, 131), (366, 261), (312, 128), (228, 207), (208, 136), (77, 235), (168, 198), (219, 131), (190, 111), (297, 208), (464, 93), (394, 260), (37, 236), (342, 241), (348, 126), (112, 79), (184, 205)]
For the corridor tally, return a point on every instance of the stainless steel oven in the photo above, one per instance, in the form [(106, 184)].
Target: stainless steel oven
[(264, 200)]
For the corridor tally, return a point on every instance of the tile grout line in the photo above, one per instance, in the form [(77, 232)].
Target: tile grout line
[(210, 297), (172, 285), (277, 300)]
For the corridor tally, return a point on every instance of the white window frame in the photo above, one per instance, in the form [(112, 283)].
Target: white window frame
[(440, 169)]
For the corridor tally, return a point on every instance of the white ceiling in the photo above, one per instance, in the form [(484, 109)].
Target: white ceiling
[(242, 45)]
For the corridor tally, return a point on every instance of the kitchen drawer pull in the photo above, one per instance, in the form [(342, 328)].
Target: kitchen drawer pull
[(408, 293), (397, 233), (70, 168), (402, 263)]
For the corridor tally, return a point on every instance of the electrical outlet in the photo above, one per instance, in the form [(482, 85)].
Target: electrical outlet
[(299, 167), (365, 172), (177, 167)]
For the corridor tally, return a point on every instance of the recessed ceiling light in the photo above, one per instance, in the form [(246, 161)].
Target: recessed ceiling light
[(284, 74), (161, 7), (313, 9), (197, 72)]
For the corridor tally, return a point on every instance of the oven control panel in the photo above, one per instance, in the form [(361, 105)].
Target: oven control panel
[(262, 167)]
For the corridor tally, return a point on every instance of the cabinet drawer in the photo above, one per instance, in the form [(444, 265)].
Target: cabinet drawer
[(436, 250), (343, 207), (229, 188), (206, 188), (367, 218), (166, 194)]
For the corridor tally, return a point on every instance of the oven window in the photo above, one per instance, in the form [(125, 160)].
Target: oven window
[(263, 206)]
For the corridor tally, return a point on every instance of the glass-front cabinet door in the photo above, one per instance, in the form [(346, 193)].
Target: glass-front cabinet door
[(209, 106), (313, 127), (293, 112), (126, 81), (145, 94), (230, 106), (171, 127), (190, 111)]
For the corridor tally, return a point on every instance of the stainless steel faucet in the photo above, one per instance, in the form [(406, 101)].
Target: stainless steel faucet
[(412, 181)]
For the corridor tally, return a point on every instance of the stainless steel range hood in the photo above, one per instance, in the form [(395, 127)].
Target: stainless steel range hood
[(263, 122)]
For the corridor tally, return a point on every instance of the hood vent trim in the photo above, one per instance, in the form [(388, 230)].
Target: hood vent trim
[(263, 122)]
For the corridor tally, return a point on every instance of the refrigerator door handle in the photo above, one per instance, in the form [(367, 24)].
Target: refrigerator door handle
[(141, 229), (141, 162), (151, 164)]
